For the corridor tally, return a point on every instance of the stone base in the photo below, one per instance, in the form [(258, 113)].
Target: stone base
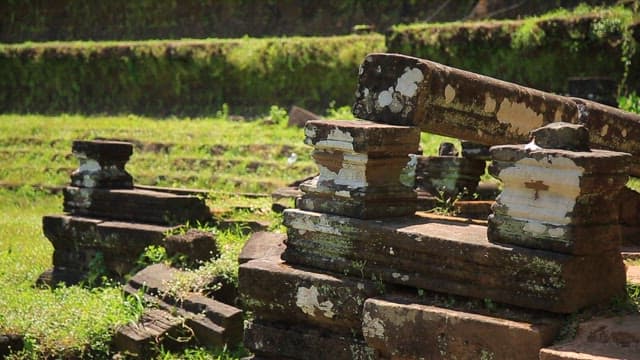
[(608, 338), (454, 258), (274, 291), (274, 340), (135, 205), (403, 328)]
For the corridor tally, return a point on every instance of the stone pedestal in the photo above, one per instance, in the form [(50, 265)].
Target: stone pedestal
[(365, 170), (561, 199), (102, 164)]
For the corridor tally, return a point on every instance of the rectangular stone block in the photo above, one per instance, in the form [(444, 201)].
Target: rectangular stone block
[(454, 258), (261, 245), (135, 205), (267, 339), (278, 292), (403, 327), (142, 338)]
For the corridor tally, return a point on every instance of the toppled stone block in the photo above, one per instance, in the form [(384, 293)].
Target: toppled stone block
[(299, 116), (403, 327), (404, 90), (365, 168), (212, 322), (135, 205), (448, 175), (454, 258), (604, 338), (102, 164), (156, 327), (557, 200), (278, 292), (282, 341), (262, 245), (197, 245), (561, 135)]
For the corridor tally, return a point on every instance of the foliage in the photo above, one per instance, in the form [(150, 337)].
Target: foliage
[(630, 103), (541, 52), (185, 77)]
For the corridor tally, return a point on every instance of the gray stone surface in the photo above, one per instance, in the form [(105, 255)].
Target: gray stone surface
[(561, 135), (262, 245), (102, 164)]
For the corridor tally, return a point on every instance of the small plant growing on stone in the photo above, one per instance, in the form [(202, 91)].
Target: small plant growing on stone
[(445, 203)]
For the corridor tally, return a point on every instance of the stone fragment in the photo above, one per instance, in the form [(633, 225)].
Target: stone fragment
[(403, 90), (156, 327), (262, 245), (102, 164), (600, 339), (197, 245), (407, 328), (454, 258), (135, 205), (557, 200), (10, 343), (299, 116), (281, 341), (275, 291), (561, 135), (448, 175), (365, 169), (475, 151)]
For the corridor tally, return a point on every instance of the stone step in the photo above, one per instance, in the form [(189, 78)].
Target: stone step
[(281, 341), (135, 205), (275, 291), (262, 245), (406, 327), (452, 257), (600, 339)]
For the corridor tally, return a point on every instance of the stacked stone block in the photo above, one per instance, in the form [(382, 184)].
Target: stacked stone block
[(107, 221)]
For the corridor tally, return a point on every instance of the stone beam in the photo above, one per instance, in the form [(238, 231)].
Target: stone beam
[(403, 90)]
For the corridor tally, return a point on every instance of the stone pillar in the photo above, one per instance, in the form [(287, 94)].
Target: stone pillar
[(365, 169), (558, 194), (102, 164)]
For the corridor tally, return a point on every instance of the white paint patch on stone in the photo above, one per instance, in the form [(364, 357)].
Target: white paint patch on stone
[(407, 84), (371, 327), (89, 165), (556, 232), (314, 223), (385, 97), (489, 103), (391, 252), (521, 118), (310, 131), (87, 181), (326, 174), (624, 133), (343, 193), (337, 139), (360, 286), (307, 301), (551, 206), (604, 130), (557, 116), (449, 94), (535, 228)]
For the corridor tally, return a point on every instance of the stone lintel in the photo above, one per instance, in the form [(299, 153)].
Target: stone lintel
[(455, 258), (405, 327), (279, 292), (103, 151), (403, 90)]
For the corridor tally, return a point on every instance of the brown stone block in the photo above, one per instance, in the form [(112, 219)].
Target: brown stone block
[(197, 245), (405, 328), (452, 257), (600, 339), (278, 292), (154, 328), (362, 137), (283, 341), (135, 205), (262, 245), (403, 90)]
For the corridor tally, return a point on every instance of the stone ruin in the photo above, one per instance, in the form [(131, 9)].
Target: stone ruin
[(361, 275), (107, 225)]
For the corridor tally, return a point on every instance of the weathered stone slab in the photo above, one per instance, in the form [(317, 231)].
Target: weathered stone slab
[(561, 135), (451, 257), (557, 200), (403, 90), (406, 328), (135, 205), (102, 164), (262, 245), (278, 292), (302, 342), (156, 327), (600, 339), (448, 174)]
